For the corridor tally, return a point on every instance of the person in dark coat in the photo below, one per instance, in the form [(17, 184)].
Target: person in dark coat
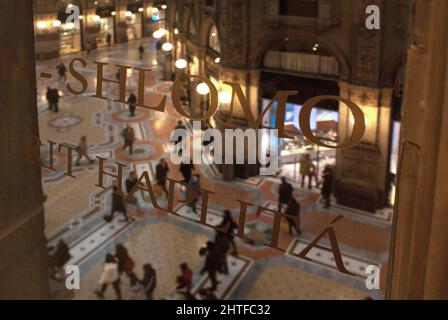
[(212, 264), (327, 186), (50, 104), (186, 168), (284, 193), (293, 210), (53, 99), (141, 51), (124, 261), (129, 138), (149, 281), (229, 225), (132, 100), (161, 174), (62, 256), (62, 70), (108, 39), (118, 204), (131, 181), (194, 192)]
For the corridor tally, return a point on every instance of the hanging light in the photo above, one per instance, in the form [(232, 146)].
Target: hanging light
[(164, 6), (160, 33), (176, 31), (202, 88), (218, 60), (41, 24), (140, 9), (113, 13), (167, 46), (81, 17), (128, 14), (56, 23), (181, 64), (96, 18)]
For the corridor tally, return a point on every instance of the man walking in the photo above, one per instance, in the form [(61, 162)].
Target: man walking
[(82, 151), (293, 212), (129, 138), (284, 193)]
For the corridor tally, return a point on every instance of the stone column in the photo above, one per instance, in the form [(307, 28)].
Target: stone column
[(23, 262), (419, 257), (361, 172)]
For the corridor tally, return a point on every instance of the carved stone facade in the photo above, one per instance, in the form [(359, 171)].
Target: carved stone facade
[(368, 62)]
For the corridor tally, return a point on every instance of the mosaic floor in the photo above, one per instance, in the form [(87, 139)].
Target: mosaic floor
[(75, 208)]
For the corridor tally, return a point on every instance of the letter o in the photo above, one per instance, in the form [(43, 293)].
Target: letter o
[(176, 91), (359, 128)]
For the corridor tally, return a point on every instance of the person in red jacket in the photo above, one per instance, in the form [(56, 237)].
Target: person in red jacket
[(185, 280)]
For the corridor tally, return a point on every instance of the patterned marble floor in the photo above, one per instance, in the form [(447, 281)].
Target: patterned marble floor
[(75, 208)]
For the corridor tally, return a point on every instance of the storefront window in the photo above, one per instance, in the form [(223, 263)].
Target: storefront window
[(69, 39), (323, 123), (134, 26), (106, 34)]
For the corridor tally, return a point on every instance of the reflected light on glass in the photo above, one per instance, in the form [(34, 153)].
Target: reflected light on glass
[(225, 97), (167, 46), (181, 64), (202, 88)]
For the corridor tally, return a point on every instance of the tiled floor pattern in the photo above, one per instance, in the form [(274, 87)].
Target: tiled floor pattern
[(284, 282), (102, 122)]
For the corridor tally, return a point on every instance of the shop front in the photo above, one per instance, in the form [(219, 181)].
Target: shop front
[(105, 16), (324, 125), (323, 122), (134, 18), (69, 36)]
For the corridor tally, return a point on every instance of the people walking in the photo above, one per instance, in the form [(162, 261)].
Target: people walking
[(83, 151), (124, 261), (62, 70), (161, 175), (118, 205), (306, 169), (293, 212), (227, 226), (149, 281), (88, 47), (108, 39), (109, 276), (194, 192), (186, 169), (131, 181), (141, 51), (185, 280), (327, 186), (129, 138), (48, 95), (132, 100), (285, 191), (212, 264), (53, 99)]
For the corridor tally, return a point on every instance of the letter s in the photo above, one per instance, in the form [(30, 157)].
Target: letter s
[(78, 76)]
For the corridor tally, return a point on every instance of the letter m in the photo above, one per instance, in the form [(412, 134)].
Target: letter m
[(281, 97)]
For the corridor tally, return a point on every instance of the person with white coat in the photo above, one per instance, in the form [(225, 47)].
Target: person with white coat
[(111, 276)]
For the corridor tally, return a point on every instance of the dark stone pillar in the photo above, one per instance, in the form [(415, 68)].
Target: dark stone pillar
[(23, 262)]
